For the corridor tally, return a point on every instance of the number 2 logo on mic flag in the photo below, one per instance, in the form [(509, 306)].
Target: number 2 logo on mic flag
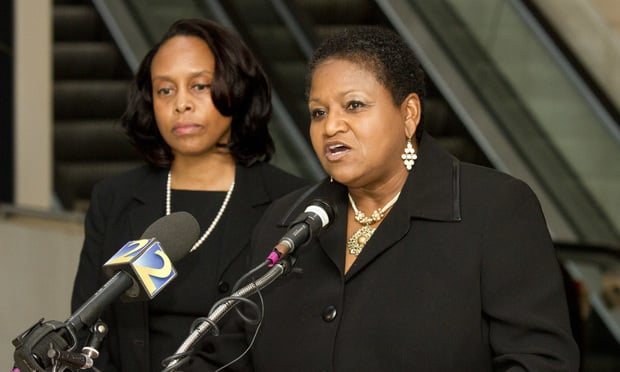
[(128, 252), (154, 269), (150, 267)]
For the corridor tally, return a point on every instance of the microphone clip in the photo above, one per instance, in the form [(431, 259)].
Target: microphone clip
[(49, 346), (287, 263), (98, 331), (32, 345)]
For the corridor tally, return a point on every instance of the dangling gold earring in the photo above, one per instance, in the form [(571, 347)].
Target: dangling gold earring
[(409, 156)]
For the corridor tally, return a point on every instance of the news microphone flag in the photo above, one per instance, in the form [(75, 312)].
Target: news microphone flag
[(147, 263)]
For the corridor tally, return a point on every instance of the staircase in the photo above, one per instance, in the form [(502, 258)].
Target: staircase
[(90, 85)]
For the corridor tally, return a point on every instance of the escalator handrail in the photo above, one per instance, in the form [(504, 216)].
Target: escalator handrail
[(610, 123)]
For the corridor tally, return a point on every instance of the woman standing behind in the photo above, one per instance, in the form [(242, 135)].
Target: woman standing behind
[(431, 264), (198, 112)]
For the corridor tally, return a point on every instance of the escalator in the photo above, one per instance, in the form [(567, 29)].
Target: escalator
[(90, 81), (542, 114)]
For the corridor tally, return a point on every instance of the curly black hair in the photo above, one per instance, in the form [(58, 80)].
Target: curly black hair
[(239, 89), (380, 51)]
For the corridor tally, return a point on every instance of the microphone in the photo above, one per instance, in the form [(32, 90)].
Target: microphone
[(141, 268), (317, 216)]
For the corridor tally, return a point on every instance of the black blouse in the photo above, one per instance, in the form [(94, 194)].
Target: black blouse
[(192, 293)]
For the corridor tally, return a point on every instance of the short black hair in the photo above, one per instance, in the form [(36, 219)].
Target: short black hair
[(239, 89), (382, 52)]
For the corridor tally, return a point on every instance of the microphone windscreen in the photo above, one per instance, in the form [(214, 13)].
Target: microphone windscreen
[(324, 209), (176, 232)]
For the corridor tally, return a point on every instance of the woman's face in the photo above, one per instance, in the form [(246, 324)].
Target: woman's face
[(357, 132), (181, 75)]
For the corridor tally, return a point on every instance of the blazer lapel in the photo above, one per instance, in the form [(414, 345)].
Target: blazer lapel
[(247, 198), (333, 240), (431, 192), (150, 198)]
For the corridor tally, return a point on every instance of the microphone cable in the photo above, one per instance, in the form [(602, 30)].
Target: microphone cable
[(184, 357)]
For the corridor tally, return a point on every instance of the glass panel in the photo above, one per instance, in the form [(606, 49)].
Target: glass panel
[(557, 126), (572, 125)]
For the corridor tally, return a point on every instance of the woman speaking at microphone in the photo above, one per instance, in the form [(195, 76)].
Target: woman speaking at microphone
[(198, 110), (431, 264)]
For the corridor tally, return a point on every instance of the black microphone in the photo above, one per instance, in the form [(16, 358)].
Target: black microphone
[(317, 216), (140, 269)]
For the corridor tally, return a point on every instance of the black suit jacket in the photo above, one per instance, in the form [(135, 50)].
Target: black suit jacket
[(461, 275), (122, 207)]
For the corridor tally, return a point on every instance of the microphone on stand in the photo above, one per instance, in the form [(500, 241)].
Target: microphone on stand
[(317, 216), (139, 270)]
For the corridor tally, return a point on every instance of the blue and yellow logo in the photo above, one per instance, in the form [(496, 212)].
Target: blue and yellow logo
[(128, 252), (147, 263), (154, 269)]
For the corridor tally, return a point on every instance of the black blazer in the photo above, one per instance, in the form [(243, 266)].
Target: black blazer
[(122, 207), (460, 276)]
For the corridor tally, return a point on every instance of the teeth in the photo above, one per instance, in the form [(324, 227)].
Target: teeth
[(336, 148)]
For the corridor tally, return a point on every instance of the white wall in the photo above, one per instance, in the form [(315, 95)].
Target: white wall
[(39, 262), (33, 103)]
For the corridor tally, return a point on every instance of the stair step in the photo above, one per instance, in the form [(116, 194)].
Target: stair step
[(71, 2), (77, 22), (255, 12), (90, 87), (341, 12), (92, 99), (278, 42), (92, 140), (89, 60), (293, 75)]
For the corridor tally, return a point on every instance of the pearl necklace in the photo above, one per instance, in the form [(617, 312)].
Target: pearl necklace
[(358, 240), (215, 220)]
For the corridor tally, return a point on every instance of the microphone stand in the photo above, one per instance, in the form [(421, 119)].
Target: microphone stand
[(282, 267), (51, 346)]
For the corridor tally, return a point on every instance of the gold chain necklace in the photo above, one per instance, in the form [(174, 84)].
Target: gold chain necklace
[(358, 240)]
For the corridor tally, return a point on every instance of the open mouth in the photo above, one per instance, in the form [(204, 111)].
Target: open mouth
[(336, 151)]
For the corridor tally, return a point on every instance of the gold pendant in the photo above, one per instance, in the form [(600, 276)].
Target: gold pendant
[(358, 240)]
